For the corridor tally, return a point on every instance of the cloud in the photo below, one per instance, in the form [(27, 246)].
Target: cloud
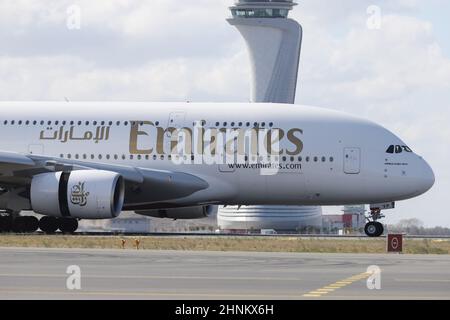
[(57, 77)]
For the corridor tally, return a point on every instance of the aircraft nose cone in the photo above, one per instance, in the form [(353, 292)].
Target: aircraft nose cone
[(424, 177), (428, 177)]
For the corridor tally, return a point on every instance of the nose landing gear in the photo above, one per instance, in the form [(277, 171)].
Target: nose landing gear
[(374, 228)]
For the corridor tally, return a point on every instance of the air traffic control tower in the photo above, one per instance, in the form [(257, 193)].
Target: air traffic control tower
[(274, 43)]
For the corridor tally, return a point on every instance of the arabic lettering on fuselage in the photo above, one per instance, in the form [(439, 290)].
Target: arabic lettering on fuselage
[(64, 135)]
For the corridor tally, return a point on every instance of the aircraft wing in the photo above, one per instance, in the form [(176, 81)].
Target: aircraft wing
[(17, 170)]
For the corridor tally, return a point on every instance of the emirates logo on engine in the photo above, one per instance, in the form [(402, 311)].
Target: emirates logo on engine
[(78, 196)]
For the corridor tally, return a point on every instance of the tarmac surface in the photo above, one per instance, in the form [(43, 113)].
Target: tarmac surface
[(28, 273)]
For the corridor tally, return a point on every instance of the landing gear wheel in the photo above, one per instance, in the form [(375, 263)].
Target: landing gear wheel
[(5, 224), (19, 225), (380, 228), (48, 224), (371, 229), (374, 229), (68, 225), (30, 224)]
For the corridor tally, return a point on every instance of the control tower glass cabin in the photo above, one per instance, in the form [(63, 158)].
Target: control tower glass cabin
[(262, 8)]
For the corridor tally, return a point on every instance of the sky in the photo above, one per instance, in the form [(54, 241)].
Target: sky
[(396, 72)]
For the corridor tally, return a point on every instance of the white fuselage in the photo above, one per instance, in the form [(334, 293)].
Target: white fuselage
[(323, 157)]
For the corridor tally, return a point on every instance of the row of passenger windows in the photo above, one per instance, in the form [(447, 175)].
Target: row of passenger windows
[(63, 123), (125, 123), (247, 124), (169, 157)]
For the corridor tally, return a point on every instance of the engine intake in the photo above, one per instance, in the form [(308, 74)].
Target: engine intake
[(86, 194)]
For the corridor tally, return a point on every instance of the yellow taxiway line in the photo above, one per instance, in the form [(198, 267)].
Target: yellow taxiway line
[(318, 293)]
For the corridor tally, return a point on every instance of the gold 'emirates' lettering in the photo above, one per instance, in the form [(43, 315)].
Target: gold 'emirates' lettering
[(241, 141), (134, 134), (295, 141)]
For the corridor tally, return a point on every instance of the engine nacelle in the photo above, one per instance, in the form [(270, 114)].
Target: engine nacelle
[(87, 194), (198, 212)]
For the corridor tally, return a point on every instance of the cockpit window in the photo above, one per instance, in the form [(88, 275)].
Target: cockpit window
[(397, 149), (407, 149)]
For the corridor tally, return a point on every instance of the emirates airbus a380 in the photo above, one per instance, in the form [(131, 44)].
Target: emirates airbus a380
[(90, 160)]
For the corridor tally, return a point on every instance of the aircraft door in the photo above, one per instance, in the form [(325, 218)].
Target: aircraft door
[(352, 160)]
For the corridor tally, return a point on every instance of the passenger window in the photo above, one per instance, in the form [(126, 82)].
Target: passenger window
[(390, 149)]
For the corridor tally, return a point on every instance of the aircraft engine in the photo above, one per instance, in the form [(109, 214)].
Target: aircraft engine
[(86, 194)]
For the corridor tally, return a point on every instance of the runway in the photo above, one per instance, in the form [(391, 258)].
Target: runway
[(129, 274)]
